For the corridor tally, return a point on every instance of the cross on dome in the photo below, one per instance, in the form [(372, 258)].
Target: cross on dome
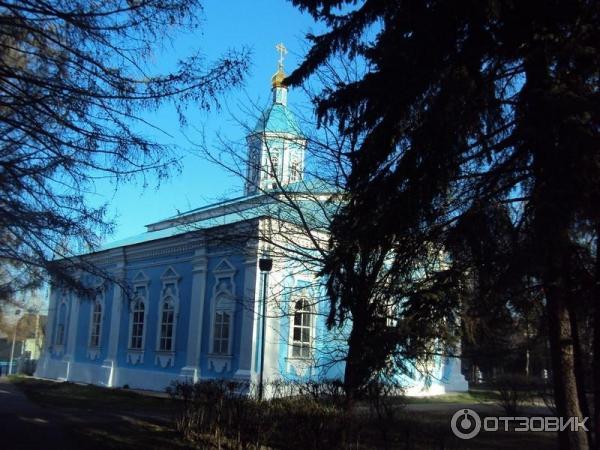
[(277, 80), (282, 52)]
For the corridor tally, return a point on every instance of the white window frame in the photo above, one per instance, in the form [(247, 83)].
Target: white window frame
[(224, 305), (141, 289), (98, 301), (169, 293), (59, 346), (273, 163), (170, 338), (138, 306), (223, 301), (311, 327)]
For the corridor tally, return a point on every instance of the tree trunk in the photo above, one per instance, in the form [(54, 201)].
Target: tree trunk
[(553, 213), (563, 368), (596, 345), (579, 370), (356, 373)]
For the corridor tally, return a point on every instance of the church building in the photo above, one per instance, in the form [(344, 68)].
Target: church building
[(195, 300)]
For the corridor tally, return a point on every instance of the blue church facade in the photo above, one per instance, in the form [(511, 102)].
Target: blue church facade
[(188, 306)]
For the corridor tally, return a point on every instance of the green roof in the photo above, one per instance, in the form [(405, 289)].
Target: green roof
[(277, 119), (315, 213)]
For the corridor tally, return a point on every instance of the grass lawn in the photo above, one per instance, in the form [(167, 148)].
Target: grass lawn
[(473, 396), (66, 394), (103, 418)]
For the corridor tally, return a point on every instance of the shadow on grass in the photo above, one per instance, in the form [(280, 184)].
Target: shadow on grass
[(126, 433), (101, 418), (67, 394)]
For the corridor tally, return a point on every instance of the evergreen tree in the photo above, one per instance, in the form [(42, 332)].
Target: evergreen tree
[(466, 104)]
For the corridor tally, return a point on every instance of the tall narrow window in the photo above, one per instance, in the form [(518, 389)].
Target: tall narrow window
[(166, 325), (295, 170), (60, 327), (301, 330), (221, 332), (222, 315), (137, 326), (95, 324), (273, 164)]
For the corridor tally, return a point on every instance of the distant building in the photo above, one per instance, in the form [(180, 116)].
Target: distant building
[(194, 308), (27, 332)]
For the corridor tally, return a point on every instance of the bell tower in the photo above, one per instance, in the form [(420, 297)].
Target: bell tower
[(275, 146)]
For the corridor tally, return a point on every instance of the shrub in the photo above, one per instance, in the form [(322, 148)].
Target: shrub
[(515, 391), (298, 415), (546, 392), (229, 414)]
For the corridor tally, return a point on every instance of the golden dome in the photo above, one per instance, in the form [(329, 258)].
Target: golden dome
[(277, 79)]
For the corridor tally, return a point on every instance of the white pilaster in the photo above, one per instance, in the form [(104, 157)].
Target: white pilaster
[(42, 365), (273, 338), (249, 318), (191, 371), (72, 333), (110, 363), (52, 309)]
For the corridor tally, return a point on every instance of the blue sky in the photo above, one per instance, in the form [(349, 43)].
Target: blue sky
[(259, 25)]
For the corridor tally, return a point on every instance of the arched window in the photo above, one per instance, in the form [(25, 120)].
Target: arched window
[(222, 317), (301, 329), (137, 325), (61, 324), (167, 319), (95, 324)]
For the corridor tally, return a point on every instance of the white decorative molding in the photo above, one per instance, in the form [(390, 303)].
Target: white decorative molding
[(62, 320), (58, 350), (224, 267), (135, 356), (169, 292), (141, 279), (190, 373), (154, 251), (299, 366), (99, 299), (296, 294), (219, 364), (141, 284), (243, 374), (223, 301), (164, 359), (93, 353), (170, 275)]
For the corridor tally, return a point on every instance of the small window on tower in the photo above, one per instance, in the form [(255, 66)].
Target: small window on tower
[(273, 164), (295, 170)]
